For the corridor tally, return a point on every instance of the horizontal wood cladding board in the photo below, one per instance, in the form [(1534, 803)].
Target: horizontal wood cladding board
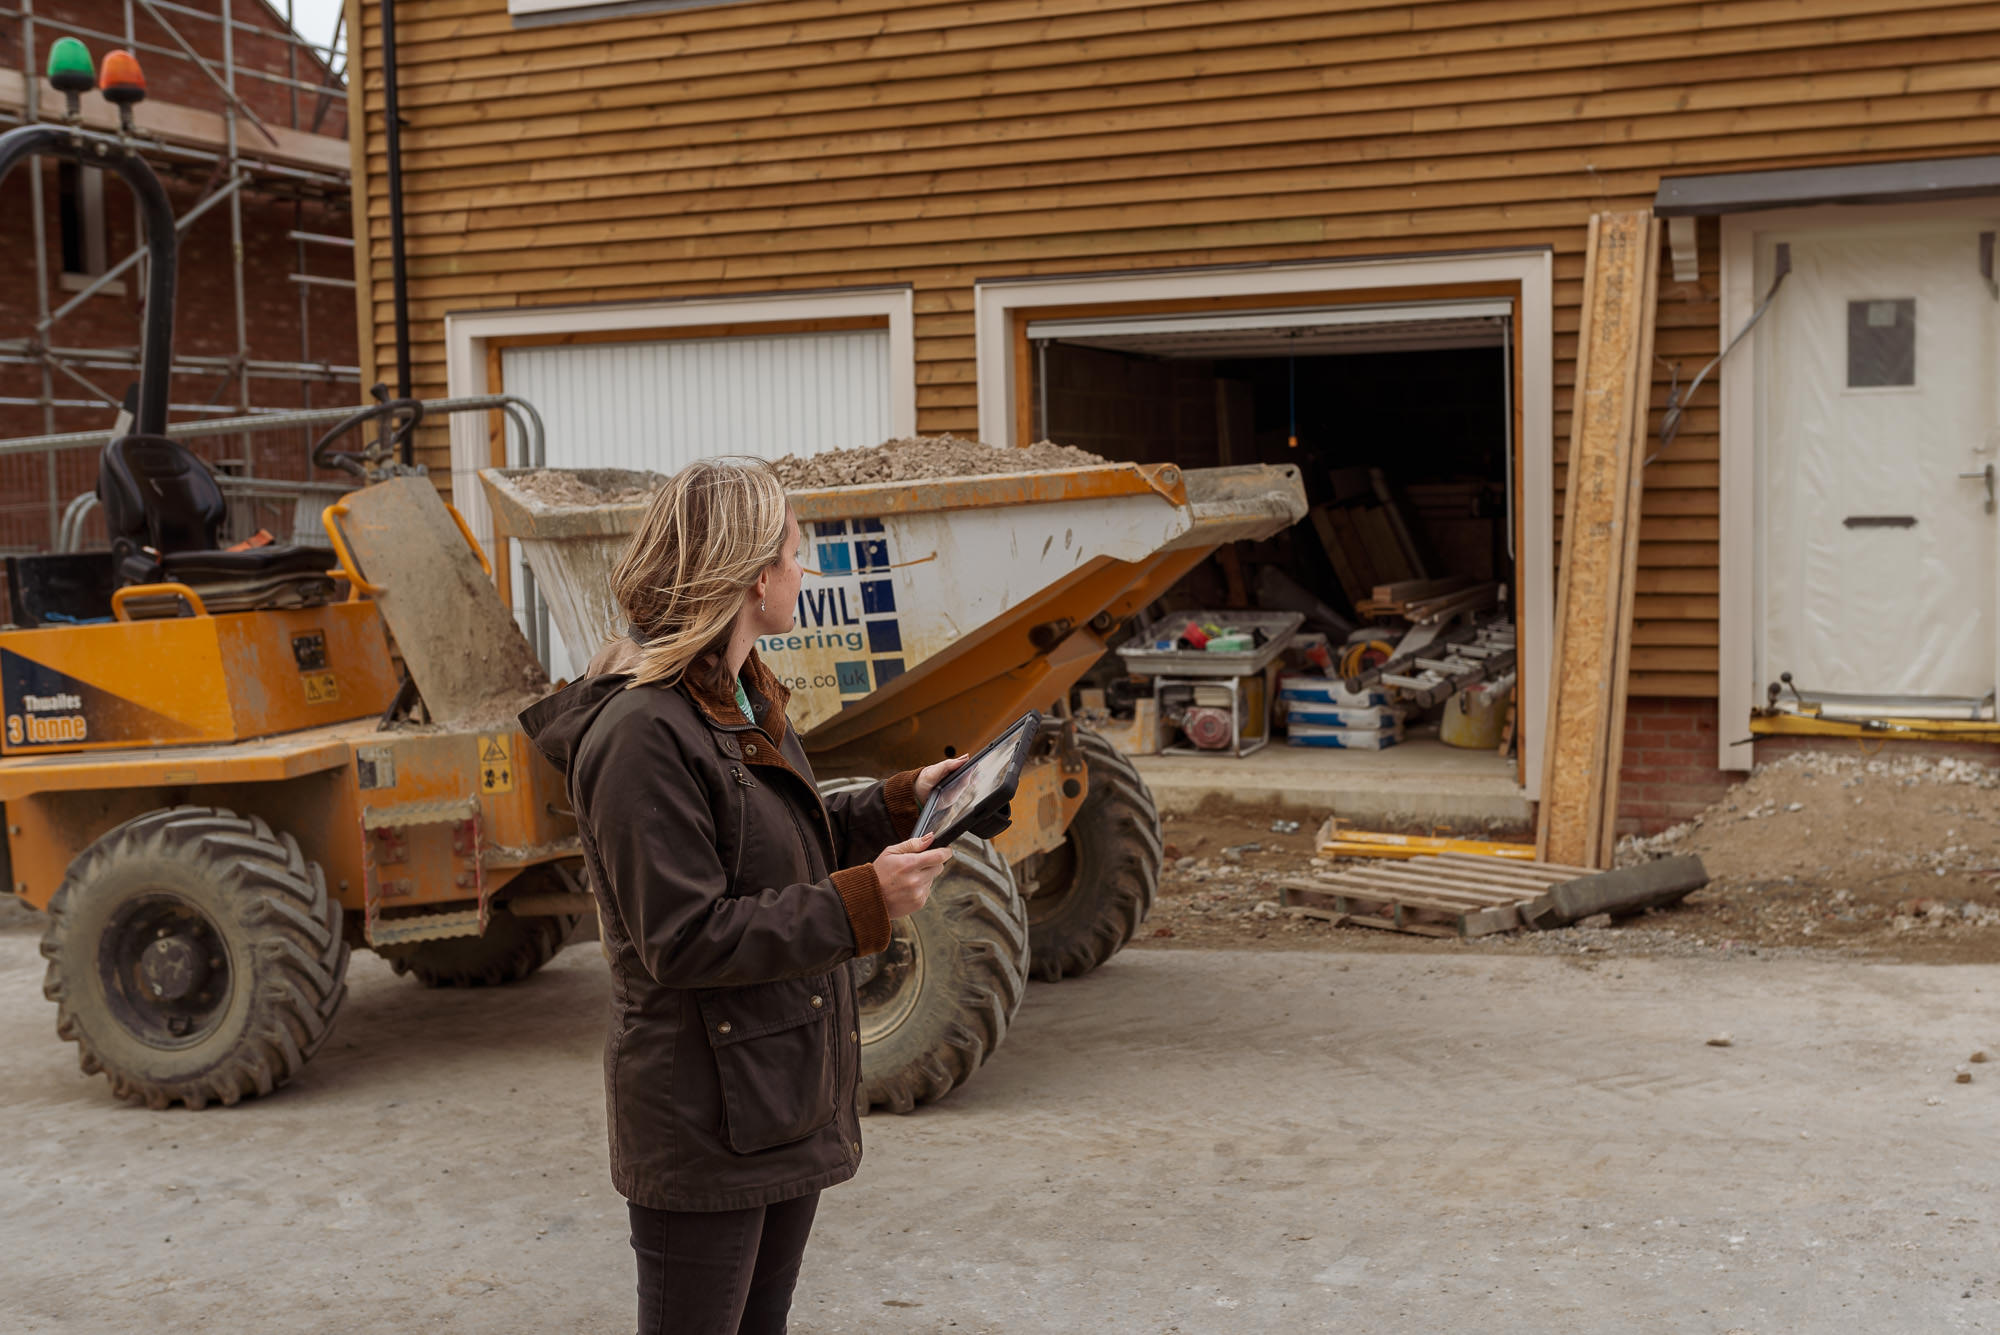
[(1234, 40), (1684, 685), (588, 150), (439, 208), (683, 178), (502, 113), (810, 144)]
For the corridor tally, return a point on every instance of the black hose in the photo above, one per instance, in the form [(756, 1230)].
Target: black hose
[(412, 411), (96, 150), (398, 274)]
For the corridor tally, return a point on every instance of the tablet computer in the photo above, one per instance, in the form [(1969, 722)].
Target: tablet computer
[(981, 785)]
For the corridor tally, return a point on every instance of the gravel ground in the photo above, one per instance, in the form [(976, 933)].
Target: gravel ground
[(1198, 1142)]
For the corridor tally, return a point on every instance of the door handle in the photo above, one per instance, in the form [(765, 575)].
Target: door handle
[(1986, 474)]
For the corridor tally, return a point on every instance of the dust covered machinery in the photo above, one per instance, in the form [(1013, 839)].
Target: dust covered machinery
[(216, 781)]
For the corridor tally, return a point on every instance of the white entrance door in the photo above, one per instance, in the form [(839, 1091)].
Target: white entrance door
[(660, 403), (1877, 375)]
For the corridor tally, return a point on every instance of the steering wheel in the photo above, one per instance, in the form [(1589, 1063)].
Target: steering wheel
[(348, 461)]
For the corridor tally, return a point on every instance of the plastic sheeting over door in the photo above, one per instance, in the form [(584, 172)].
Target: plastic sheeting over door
[(1877, 571), (661, 403)]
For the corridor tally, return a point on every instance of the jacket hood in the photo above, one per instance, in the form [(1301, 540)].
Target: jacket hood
[(556, 723)]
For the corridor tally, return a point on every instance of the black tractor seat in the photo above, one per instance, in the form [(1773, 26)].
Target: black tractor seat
[(164, 511)]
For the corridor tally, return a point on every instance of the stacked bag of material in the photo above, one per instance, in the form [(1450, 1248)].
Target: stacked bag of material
[(1320, 711)]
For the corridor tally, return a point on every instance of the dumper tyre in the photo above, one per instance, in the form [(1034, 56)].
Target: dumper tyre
[(937, 1003), (194, 956), (1090, 893), (512, 947)]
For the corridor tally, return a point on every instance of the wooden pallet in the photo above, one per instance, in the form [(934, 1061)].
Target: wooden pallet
[(1454, 894)]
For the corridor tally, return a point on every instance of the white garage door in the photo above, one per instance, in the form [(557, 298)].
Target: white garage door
[(660, 403)]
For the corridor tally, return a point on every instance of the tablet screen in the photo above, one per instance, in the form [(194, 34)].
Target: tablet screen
[(976, 780)]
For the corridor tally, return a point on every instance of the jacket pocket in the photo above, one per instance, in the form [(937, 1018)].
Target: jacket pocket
[(774, 1060)]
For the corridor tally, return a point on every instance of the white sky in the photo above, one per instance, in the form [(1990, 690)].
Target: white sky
[(314, 19)]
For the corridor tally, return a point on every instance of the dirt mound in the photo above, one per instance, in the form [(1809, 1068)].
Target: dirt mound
[(925, 457), (1896, 854)]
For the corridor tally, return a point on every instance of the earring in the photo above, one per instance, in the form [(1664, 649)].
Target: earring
[(761, 607)]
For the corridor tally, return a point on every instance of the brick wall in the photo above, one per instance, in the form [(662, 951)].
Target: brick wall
[(204, 325), (1670, 771), (205, 314)]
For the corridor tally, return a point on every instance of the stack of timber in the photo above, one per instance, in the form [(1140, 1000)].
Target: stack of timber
[(1471, 895), (1592, 648), (1461, 519), (1425, 602), (1367, 537)]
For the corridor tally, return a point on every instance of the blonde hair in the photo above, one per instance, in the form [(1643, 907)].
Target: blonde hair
[(710, 532)]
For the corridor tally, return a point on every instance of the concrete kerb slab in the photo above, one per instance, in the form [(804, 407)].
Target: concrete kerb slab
[(1421, 781)]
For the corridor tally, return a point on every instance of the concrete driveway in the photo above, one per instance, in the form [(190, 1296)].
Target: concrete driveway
[(1185, 1141)]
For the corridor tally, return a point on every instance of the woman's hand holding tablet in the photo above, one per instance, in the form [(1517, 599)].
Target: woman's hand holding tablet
[(980, 789)]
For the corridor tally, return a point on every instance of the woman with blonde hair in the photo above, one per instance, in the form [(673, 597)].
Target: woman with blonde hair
[(730, 898)]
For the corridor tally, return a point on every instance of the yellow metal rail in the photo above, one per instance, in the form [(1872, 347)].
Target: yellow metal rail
[(1897, 729)]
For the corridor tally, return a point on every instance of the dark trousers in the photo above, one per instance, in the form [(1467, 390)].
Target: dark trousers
[(722, 1272)]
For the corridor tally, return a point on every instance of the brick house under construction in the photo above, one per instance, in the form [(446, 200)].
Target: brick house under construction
[(1207, 231), (265, 324)]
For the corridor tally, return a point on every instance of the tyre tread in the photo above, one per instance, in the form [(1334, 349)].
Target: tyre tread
[(1119, 809), (298, 959)]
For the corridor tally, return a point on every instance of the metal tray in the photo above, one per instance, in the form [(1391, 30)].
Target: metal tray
[(1277, 627)]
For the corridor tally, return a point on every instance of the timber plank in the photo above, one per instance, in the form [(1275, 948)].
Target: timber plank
[(1604, 797), (1532, 873), (1435, 881), (1619, 283)]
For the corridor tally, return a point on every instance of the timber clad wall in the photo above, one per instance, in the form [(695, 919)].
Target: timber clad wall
[(764, 146)]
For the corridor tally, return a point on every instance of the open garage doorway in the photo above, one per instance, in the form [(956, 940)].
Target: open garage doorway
[(1404, 419)]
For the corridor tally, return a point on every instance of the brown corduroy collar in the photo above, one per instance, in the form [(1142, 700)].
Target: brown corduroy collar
[(760, 684)]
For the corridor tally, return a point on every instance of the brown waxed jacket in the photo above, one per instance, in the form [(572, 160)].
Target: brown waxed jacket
[(730, 898)]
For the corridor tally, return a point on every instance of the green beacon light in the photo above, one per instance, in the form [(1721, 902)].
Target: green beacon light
[(71, 72)]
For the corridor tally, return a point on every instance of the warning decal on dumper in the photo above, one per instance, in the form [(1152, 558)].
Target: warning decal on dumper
[(496, 762)]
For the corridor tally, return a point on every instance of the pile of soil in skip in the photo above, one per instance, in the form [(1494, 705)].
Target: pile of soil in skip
[(555, 487), (925, 457), (892, 461)]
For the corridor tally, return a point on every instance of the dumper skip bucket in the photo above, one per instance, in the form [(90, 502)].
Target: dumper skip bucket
[(970, 578)]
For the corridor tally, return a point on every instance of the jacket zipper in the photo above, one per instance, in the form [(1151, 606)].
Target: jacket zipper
[(805, 844), (742, 813)]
